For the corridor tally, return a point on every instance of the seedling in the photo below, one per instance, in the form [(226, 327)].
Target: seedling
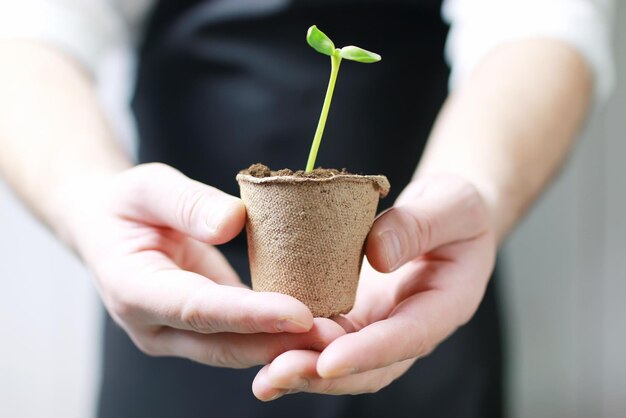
[(322, 44)]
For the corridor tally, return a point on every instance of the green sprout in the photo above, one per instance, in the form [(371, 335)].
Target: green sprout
[(322, 44)]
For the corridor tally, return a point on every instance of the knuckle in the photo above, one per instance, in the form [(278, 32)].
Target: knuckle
[(424, 225), (195, 316), (223, 355), (188, 204), (248, 322), (193, 319)]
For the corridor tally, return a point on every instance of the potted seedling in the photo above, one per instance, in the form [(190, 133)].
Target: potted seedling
[(306, 229)]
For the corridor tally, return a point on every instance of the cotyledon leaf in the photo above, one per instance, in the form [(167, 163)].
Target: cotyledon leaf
[(354, 53), (319, 41)]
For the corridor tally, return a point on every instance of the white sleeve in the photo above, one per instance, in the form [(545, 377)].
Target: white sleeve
[(85, 29), (476, 26)]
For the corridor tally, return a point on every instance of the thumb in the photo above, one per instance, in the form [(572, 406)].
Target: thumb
[(430, 213), (160, 195)]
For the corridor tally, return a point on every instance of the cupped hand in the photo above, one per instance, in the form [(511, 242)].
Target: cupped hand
[(147, 234), (438, 249)]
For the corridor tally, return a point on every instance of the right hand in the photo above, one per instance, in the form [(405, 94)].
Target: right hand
[(147, 234)]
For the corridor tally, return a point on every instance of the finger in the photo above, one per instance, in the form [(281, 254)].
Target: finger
[(209, 262), (295, 371), (290, 372), (413, 330), (160, 195), (344, 322), (433, 297), (376, 296), (239, 350), (188, 301), (426, 217), (263, 389)]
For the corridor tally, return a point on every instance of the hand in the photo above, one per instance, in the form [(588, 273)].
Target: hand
[(145, 234), (439, 248)]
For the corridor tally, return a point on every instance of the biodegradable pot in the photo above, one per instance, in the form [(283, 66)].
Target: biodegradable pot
[(306, 235)]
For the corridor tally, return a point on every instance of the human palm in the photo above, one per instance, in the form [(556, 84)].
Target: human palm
[(148, 235), (445, 250)]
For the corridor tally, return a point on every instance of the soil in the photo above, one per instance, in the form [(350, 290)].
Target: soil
[(261, 171)]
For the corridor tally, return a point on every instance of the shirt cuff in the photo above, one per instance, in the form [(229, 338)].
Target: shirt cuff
[(477, 26), (84, 30)]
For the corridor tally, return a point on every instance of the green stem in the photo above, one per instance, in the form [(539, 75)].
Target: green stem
[(335, 61)]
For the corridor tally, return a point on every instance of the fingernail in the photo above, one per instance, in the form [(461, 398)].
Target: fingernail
[(290, 325), (392, 248), (220, 212)]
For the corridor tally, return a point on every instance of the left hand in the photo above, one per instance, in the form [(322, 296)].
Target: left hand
[(439, 248)]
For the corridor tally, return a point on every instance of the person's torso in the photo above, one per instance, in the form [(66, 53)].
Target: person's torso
[(223, 84)]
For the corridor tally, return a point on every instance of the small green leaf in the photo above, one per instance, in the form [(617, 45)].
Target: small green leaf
[(319, 41), (355, 53)]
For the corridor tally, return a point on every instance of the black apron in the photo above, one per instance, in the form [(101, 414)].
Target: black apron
[(223, 84)]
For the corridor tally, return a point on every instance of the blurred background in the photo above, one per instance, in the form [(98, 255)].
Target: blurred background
[(563, 293)]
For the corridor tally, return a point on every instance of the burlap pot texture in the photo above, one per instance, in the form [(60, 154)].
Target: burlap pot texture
[(306, 235)]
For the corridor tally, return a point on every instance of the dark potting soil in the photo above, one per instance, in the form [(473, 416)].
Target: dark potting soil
[(261, 171)]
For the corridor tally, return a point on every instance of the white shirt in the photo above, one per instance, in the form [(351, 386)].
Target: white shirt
[(90, 30)]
